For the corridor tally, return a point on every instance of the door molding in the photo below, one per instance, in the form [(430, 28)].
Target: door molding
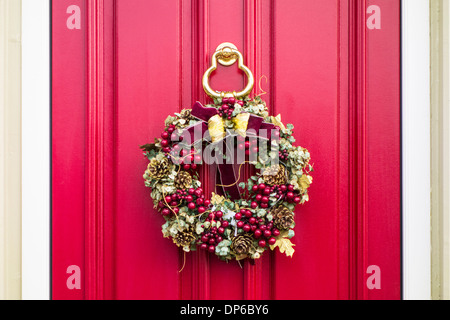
[(416, 132)]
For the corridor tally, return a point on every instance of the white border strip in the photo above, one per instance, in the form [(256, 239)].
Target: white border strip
[(35, 149), (416, 150)]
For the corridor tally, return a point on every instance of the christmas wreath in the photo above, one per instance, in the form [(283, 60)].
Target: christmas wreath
[(240, 218)]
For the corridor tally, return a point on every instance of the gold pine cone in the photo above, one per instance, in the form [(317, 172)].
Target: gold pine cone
[(183, 180), (158, 169), (275, 175), (184, 238), (241, 244), (283, 218)]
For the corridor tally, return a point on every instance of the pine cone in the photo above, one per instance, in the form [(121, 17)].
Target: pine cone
[(283, 218), (184, 238), (183, 180), (275, 175), (241, 244), (158, 169)]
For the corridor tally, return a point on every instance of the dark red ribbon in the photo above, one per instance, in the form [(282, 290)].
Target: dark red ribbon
[(226, 171)]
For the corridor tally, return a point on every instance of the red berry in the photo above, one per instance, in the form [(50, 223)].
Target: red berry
[(165, 135), (247, 228), (248, 213), (219, 214), (258, 233), (297, 200), (255, 188), (191, 191), (191, 206), (262, 186), (232, 100), (290, 195), (199, 201), (212, 249), (267, 233), (171, 130), (243, 211), (221, 230), (252, 220), (225, 100), (173, 204), (240, 224), (165, 212), (272, 241), (205, 238), (238, 216), (168, 198), (194, 166), (164, 143), (176, 210), (225, 224), (201, 210), (254, 205), (247, 152), (267, 191), (207, 202), (203, 246), (283, 188), (189, 198), (291, 187), (247, 144), (262, 243), (264, 205), (187, 167), (263, 227), (254, 227), (276, 232), (258, 197), (265, 199), (212, 241)]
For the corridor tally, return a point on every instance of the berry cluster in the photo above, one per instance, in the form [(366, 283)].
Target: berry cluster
[(169, 135), (260, 228), (283, 154), (212, 237), (227, 108), (263, 191), (250, 145), (194, 198)]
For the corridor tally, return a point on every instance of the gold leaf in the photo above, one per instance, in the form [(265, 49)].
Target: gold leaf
[(241, 257), (305, 181), (277, 122), (285, 246), (216, 199)]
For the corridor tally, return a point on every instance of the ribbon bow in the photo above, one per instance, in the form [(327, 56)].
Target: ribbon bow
[(212, 124)]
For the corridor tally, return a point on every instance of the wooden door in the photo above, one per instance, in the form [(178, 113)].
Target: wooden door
[(332, 68)]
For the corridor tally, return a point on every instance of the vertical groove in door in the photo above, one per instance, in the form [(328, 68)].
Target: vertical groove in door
[(357, 136), (95, 152), (200, 46)]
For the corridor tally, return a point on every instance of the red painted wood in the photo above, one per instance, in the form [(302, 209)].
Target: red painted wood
[(134, 62)]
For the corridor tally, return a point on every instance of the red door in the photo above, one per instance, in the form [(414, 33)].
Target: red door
[(120, 67)]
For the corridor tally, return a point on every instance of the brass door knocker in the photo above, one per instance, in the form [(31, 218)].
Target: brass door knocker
[(227, 54)]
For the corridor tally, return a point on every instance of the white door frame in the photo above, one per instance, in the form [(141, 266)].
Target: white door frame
[(416, 139), (36, 253), (36, 150)]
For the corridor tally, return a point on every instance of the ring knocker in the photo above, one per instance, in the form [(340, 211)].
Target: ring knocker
[(227, 54)]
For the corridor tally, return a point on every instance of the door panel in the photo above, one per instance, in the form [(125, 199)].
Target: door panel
[(131, 63)]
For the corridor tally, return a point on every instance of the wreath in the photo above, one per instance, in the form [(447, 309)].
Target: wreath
[(239, 219)]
